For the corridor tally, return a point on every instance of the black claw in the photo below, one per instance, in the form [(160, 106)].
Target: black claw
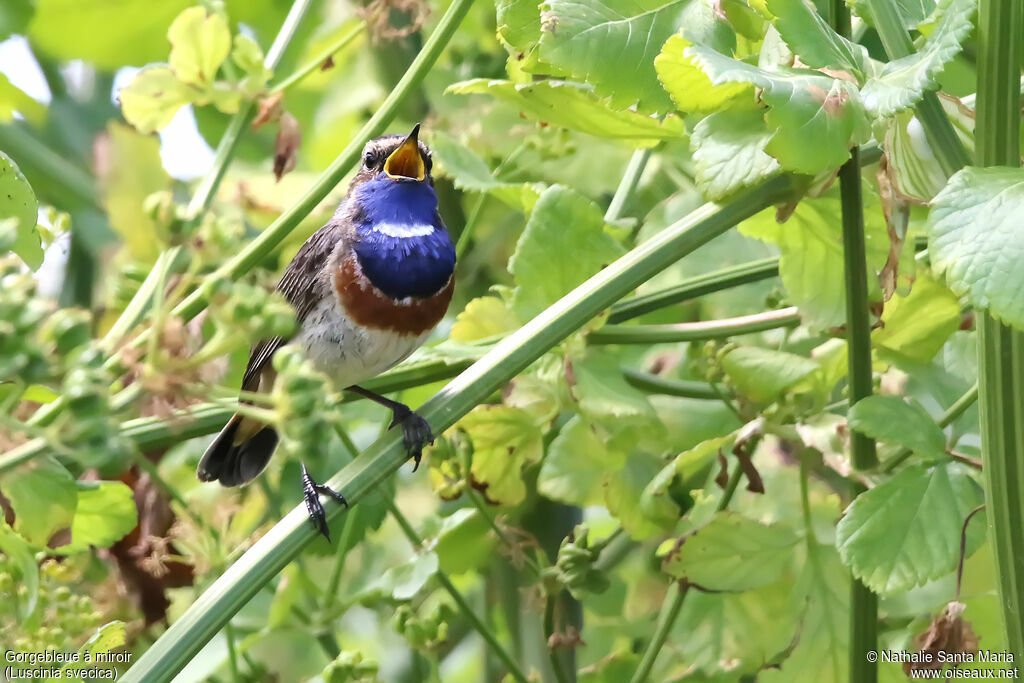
[(416, 433), (311, 492)]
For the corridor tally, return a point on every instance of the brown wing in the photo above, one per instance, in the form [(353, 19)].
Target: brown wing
[(302, 286)]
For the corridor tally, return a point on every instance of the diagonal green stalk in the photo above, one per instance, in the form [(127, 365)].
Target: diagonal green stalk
[(695, 331), (317, 62), (1001, 348), (288, 537)]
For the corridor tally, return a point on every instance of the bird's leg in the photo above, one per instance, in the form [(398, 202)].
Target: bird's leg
[(415, 431), (311, 493)]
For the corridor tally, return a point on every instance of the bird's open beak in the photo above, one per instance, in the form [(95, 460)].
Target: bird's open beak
[(406, 162)]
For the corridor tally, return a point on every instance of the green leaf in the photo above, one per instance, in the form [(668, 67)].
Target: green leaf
[(464, 542), (153, 97), (43, 496), (811, 264), (612, 44), (764, 374), (106, 513), (821, 598), (404, 581), (623, 490), (564, 243), (728, 152), (108, 637), (902, 82), (803, 105), (574, 106), (504, 439), (603, 392), (810, 37), (106, 34), (906, 530), (519, 25), (483, 317), (133, 173), (465, 167), (890, 419), (732, 553), (918, 325), (18, 201), (690, 88), (13, 99), (577, 464), (246, 53), (200, 43), (976, 237), (20, 553)]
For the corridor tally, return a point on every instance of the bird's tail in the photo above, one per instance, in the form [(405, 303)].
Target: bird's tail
[(239, 453)]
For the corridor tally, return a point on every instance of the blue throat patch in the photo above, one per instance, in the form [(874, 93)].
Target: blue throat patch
[(402, 265)]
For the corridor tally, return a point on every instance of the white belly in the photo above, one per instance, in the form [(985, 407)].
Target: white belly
[(348, 353)]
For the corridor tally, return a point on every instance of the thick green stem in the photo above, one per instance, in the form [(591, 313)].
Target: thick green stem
[(32, 155), (674, 387), (696, 331), (1000, 348), (287, 538), (942, 138)]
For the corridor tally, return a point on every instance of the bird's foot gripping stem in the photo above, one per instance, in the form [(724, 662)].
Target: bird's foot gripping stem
[(311, 492), (416, 432)]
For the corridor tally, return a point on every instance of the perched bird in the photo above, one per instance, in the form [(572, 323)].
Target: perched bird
[(367, 289)]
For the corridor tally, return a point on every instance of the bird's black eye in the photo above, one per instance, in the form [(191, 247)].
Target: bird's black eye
[(370, 159)]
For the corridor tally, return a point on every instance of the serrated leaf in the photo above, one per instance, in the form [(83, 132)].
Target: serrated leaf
[(563, 223), (810, 37), (105, 514), (803, 105), (906, 531), (483, 317), (733, 553), (504, 439), (728, 152), (18, 201), (574, 106), (821, 596), (518, 23), (902, 82), (811, 264), (976, 238), (917, 325), (153, 97), (690, 88), (577, 464), (580, 36), (43, 496), (200, 43), (765, 374), (892, 420)]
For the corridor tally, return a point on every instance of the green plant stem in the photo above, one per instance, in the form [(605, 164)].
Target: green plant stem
[(863, 602), (550, 606), (1001, 348), (287, 538), (673, 603), (466, 236), (942, 138), (696, 331), (954, 411), (317, 62), (630, 179), (229, 634), (684, 388), (695, 287)]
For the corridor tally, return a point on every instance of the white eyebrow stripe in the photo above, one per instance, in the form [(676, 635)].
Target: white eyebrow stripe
[(404, 230)]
